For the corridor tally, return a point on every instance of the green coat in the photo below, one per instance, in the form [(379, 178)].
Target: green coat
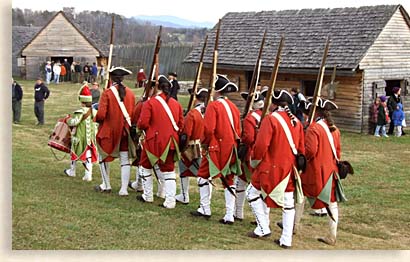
[(84, 134)]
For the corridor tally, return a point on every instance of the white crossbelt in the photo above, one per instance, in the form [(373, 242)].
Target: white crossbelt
[(168, 111), (287, 131), (229, 112), (121, 104), (330, 137)]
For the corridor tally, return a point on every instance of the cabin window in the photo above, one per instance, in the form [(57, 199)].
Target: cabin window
[(308, 87), (389, 86)]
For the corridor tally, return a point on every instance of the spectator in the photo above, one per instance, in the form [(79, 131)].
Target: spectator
[(141, 78), (94, 72), (86, 72), (392, 105), (102, 72), (77, 72), (57, 71), (397, 119), (294, 108), (73, 72), (68, 70), (48, 71), (63, 73), (17, 96), (374, 110), (381, 118), (41, 93), (95, 93), (172, 77)]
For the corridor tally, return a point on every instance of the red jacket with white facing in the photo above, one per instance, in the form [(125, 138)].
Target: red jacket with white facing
[(112, 124), (159, 132), (321, 163), (275, 157), (220, 137)]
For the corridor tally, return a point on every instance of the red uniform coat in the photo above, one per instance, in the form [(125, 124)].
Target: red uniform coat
[(276, 158), (112, 125), (321, 164), (249, 132), (221, 141), (160, 135), (194, 129)]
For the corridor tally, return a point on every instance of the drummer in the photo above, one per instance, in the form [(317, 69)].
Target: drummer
[(83, 146)]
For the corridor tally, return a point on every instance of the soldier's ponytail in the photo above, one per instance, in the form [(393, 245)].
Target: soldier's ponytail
[(291, 116), (330, 122), (121, 88)]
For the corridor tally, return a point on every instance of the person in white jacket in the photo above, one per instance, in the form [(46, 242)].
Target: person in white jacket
[(56, 71)]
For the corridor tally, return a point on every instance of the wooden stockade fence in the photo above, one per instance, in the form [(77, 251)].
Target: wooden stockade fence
[(137, 56)]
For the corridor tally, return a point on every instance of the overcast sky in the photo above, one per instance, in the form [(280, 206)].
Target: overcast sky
[(196, 10)]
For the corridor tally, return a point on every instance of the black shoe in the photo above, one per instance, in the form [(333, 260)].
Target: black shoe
[(99, 189), (279, 224), (223, 221), (318, 214), (199, 214), (277, 242), (238, 219), (140, 198), (254, 223), (130, 185), (253, 235), (184, 203)]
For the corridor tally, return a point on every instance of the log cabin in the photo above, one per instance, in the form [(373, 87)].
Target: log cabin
[(61, 38), (370, 48)]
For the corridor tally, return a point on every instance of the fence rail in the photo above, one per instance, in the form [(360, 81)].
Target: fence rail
[(171, 57)]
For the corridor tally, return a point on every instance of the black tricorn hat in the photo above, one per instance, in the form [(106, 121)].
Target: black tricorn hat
[(325, 104), (305, 106), (174, 74), (119, 71), (257, 97), (282, 96), (198, 91), (163, 80), (222, 83)]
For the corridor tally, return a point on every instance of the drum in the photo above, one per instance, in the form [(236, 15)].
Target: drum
[(60, 138)]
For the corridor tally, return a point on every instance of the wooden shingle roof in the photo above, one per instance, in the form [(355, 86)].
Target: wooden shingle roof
[(102, 48), (352, 31)]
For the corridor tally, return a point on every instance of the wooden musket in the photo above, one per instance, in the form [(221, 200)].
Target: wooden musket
[(319, 81), (197, 77), (110, 55), (214, 64), (272, 81), (255, 79), (154, 68)]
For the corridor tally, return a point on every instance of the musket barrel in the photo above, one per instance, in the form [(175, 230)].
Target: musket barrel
[(255, 79), (319, 81), (110, 53), (272, 81), (197, 77), (214, 65)]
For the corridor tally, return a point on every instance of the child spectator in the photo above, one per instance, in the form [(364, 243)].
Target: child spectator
[(63, 73), (381, 118), (397, 118), (374, 110), (83, 144)]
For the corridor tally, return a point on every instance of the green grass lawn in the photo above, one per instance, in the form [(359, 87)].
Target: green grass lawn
[(52, 211)]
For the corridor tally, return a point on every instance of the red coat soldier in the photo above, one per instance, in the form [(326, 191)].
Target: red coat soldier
[(250, 126), (221, 133), (273, 181), (162, 120), (190, 153), (321, 183), (113, 136)]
